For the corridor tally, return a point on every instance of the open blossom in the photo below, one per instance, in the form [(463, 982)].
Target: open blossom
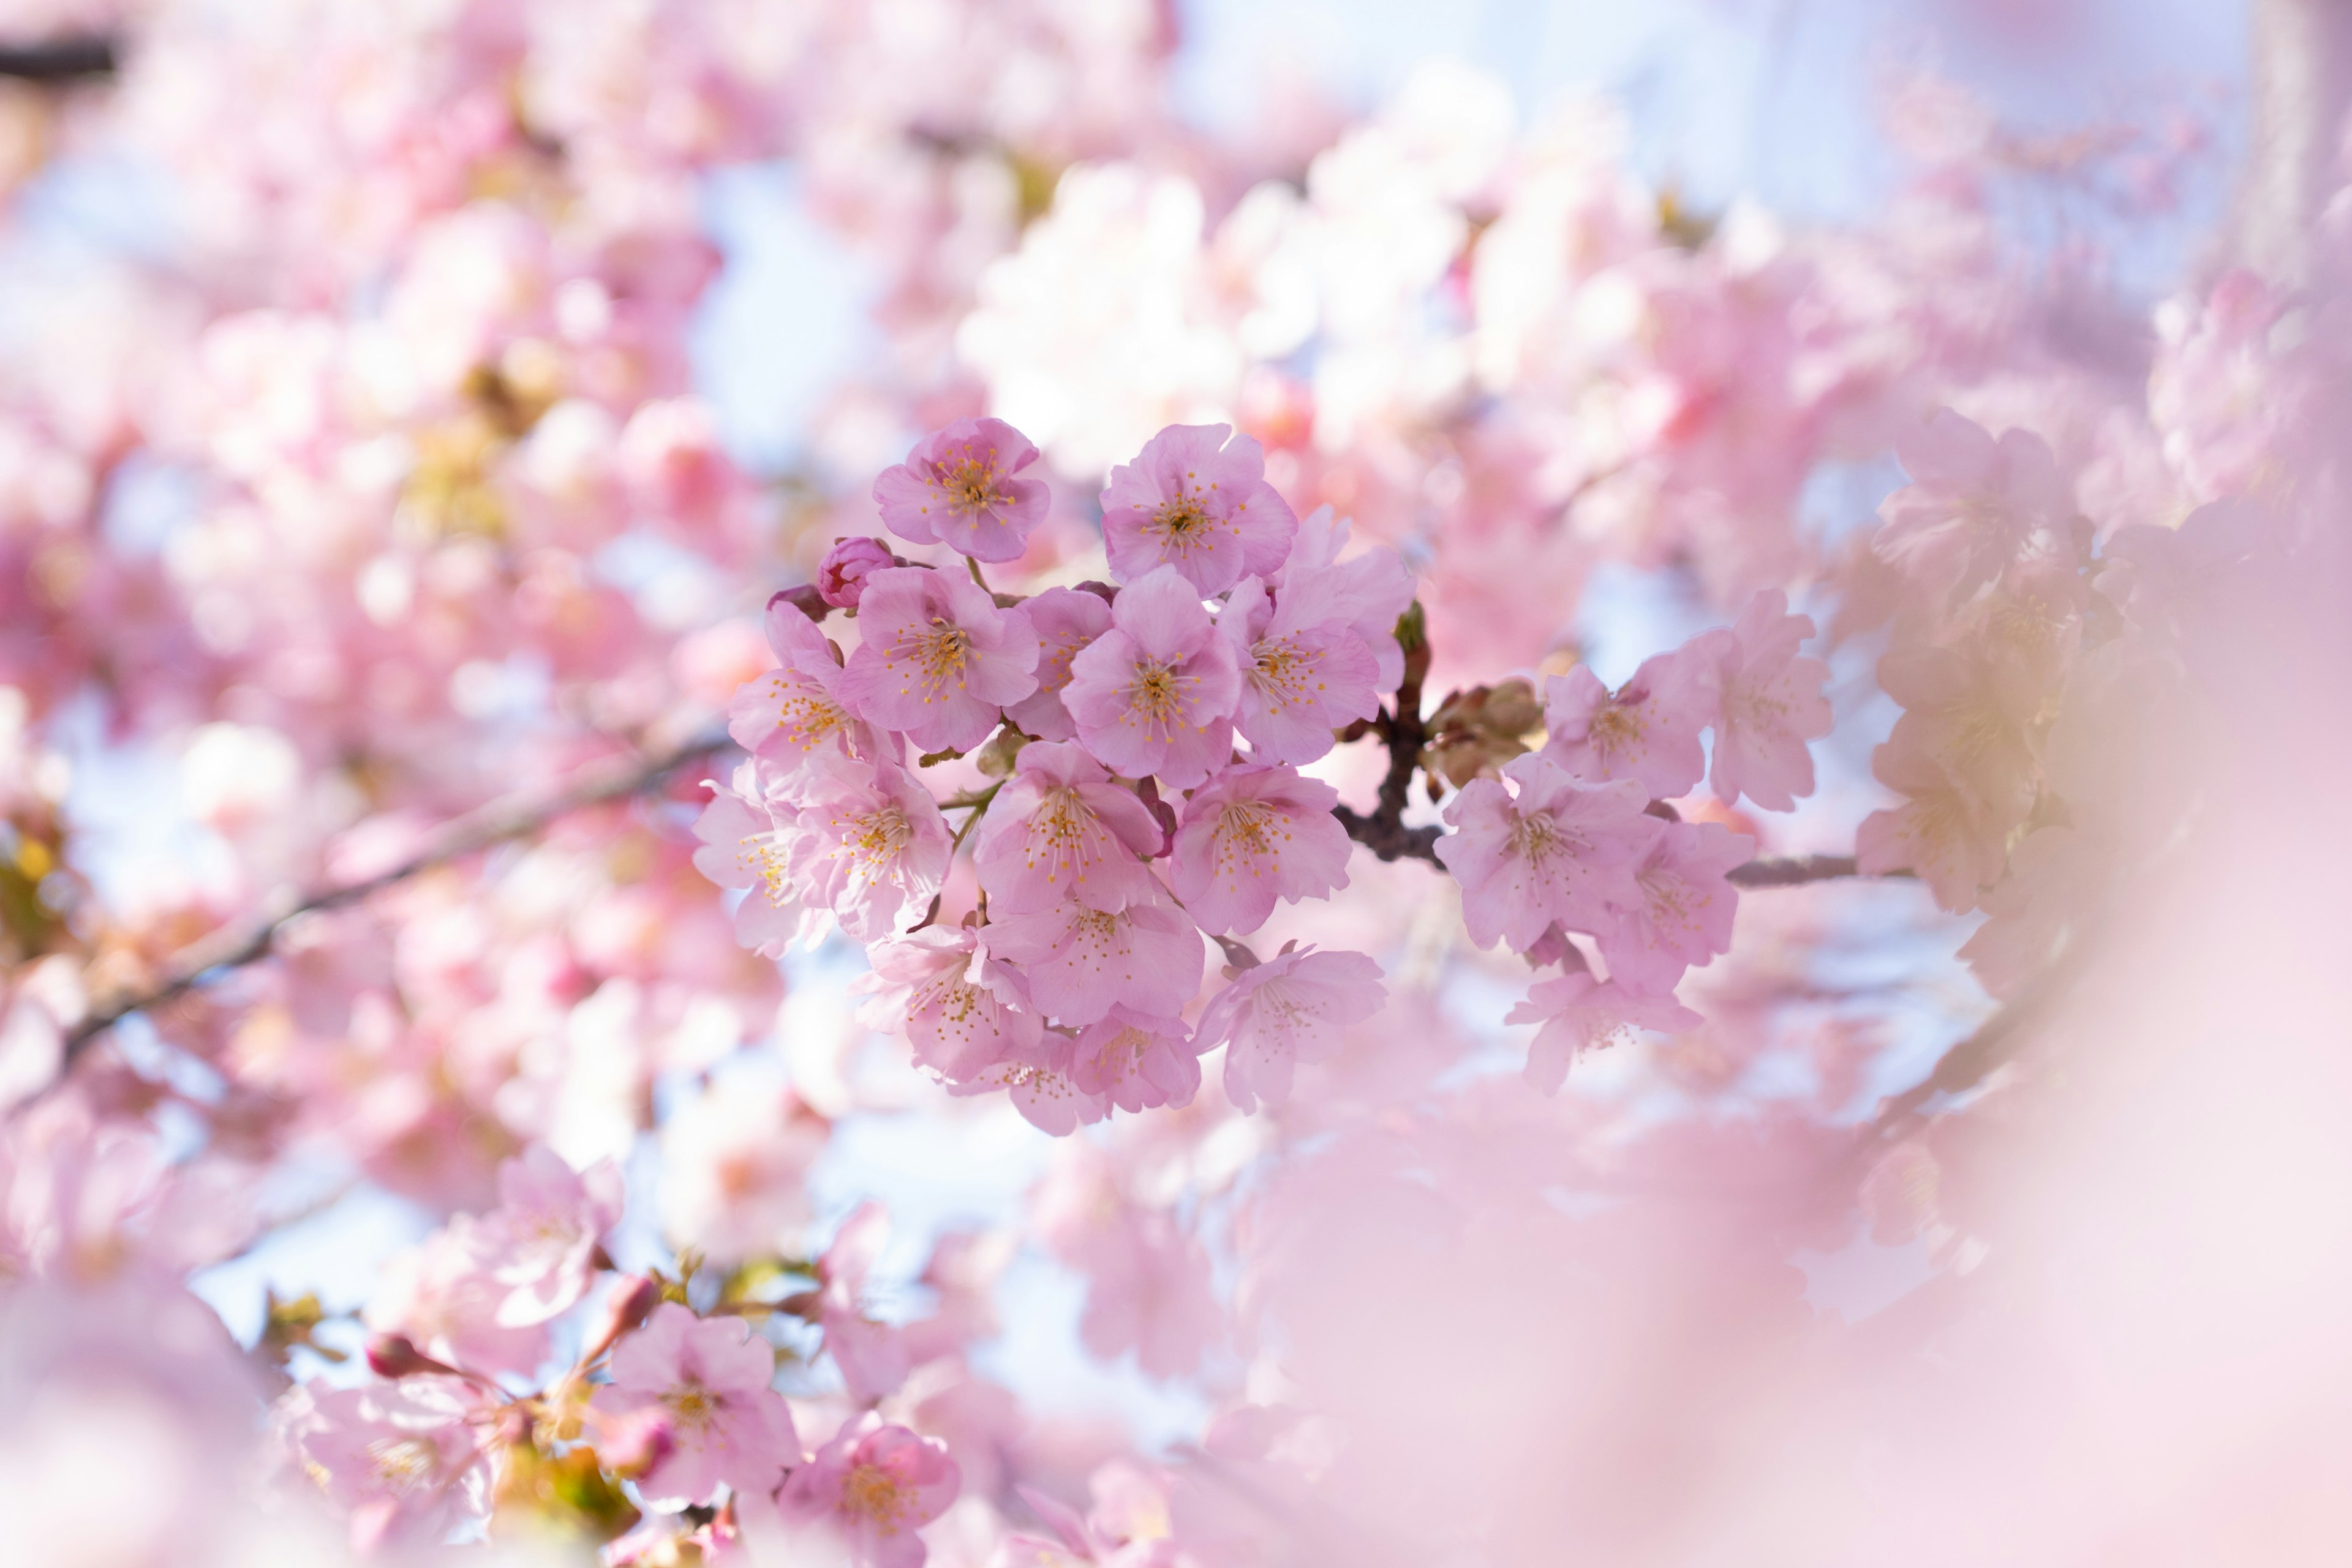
[(1678, 908), (709, 1378), (1155, 694), (781, 715), (873, 846), (1305, 672), (745, 843), (1139, 1060), (1039, 1078), (1771, 705), (962, 488), (445, 1295), (1547, 849), (841, 575), (1647, 730), (1078, 962), (876, 1485), (1368, 590), (1066, 620), (1060, 829), (1287, 1010), (940, 660), (1971, 504), (549, 1224), (406, 1459), (925, 985), (1253, 836), (1946, 831), (1579, 1012), (1193, 500)]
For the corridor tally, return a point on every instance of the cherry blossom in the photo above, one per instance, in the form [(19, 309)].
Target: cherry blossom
[(876, 1485), (1305, 672), (1581, 1013), (1196, 499), (940, 661), (1155, 694), (1078, 962), (1680, 909), (797, 707), (549, 1224), (925, 984), (407, 1460), (1647, 730), (841, 575), (962, 488), (1972, 503), (1039, 1076), (1945, 831), (1544, 849), (1139, 1061), (1771, 705), (1066, 620), (872, 1357), (1061, 830), (870, 843), (1253, 836), (710, 1379), (1288, 1010)]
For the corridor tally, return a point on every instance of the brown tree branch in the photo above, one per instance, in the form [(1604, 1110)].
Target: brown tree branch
[(60, 60), (499, 822)]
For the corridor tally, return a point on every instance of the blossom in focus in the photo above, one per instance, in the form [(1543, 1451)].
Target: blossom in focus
[(876, 1485), (1579, 1012), (924, 986), (708, 1377), (1155, 694), (1039, 1078), (961, 487), (1288, 1010), (1647, 730), (1079, 962), (747, 842), (550, 1222), (1199, 502), (940, 661), (1305, 670), (1678, 909), (784, 714), (1254, 836), (873, 846), (1138, 1060), (1370, 589), (1771, 705), (1065, 621), (841, 575), (1061, 830), (1545, 850)]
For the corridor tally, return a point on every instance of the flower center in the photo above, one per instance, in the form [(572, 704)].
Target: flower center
[(971, 483), (401, 1464), (941, 651), (1181, 521), (1157, 693), (1616, 727), (874, 1494), (692, 1407)]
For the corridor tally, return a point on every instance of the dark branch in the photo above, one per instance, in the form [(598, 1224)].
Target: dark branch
[(497, 822), (59, 60)]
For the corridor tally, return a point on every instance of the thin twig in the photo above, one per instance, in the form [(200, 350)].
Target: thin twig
[(498, 822), (60, 60)]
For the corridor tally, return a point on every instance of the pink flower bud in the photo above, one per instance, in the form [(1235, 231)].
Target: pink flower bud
[(395, 1356), (841, 577), (628, 1304)]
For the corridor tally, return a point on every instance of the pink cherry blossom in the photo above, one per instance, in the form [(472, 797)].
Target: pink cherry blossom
[(1065, 621), (446, 1295), (1287, 1010), (1972, 503), (876, 1485), (1139, 1060), (841, 575), (785, 714), (1193, 500), (1370, 590), (406, 1459), (872, 1356), (962, 488), (1580, 1013), (1040, 1078), (747, 842), (1060, 829), (1079, 962), (1771, 705), (1546, 849), (710, 1378), (872, 845), (925, 985), (1680, 909), (1254, 835), (1305, 672), (1646, 731), (940, 660), (1155, 694), (550, 1222), (1945, 831)]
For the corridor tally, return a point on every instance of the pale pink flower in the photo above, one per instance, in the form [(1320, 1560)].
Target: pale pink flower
[(841, 575), (710, 1379), (1771, 705), (1140, 1060), (2037, 910), (1199, 503), (780, 715), (1305, 672), (549, 1221), (735, 1166), (961, 487), (1971, 504), (925, 986), (1368, 590), (1646, 731), (872, 1357), (1148, 1291), (747, 842), (1155, 694), (1547, 849), (1579, 1012), (940, 660), (876, 1485), (445, 1295), (1680, 908), (1066, 620), (1060, 830), (1078, 962), (1945, 831), (1287, 1010), (1254, 836), (872, 845), (406, 1459), (1040, 1079)]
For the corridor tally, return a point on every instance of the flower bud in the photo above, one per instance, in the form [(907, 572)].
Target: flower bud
[(841, 576), (628, 1303), (396, 1356)]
